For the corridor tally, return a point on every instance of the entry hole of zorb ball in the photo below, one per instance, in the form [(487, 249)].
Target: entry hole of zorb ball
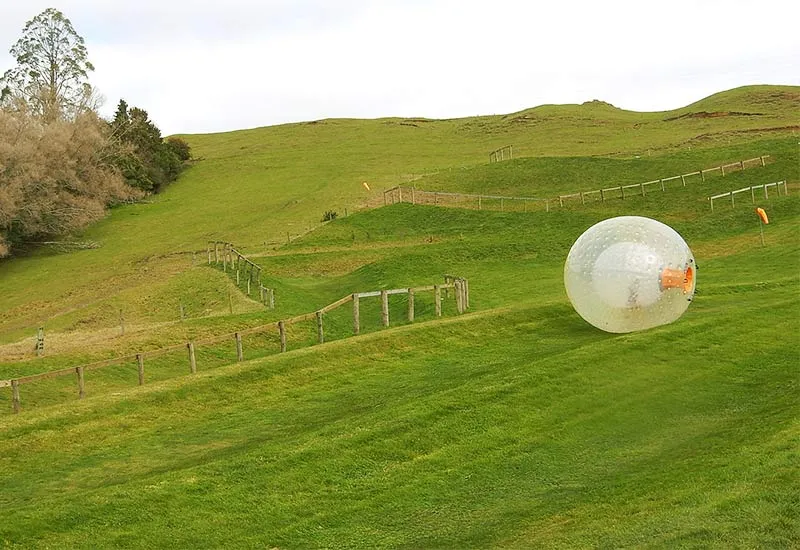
[(630, 273)]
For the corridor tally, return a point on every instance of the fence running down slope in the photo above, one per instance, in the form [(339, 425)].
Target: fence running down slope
[(458, 284)]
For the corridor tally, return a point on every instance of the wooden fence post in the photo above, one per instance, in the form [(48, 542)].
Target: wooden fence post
[(641, 185), (216, 252), (384, 308), (320, 330), (410, 305), (762, 162), (248, 286), (208, 252), (282, 332), (466, 293), (356, 315), (239, 354), (622, 190), (702, 176), (753, 194), (602, 196), (459, 296), (237, 275), (15, 404), (272, 298), (192, 361), (662, 184), (140, 368), (437, 300), (683, 180), (81, 383)]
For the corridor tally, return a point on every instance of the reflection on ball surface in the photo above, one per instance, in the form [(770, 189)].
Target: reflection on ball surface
[(630, 273)]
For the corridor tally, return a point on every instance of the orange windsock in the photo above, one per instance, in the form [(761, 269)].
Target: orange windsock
[(762, 214)]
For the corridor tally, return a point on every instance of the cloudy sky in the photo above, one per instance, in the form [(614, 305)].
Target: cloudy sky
[(207, 66)]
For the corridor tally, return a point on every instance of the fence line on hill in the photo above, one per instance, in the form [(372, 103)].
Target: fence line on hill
[(467, 200), (231, 256), (459, 285), (752, 189), (502, 153)]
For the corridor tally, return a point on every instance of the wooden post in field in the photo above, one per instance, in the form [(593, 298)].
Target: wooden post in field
[(208, 252), (384, 308), (282, 333), (400, 193), (192, 360), (272, 298), (561, 201), (15, 404), (702, 176), (683, 181), (239, 354), (248, 286), (40, 342), (216, 252), (459, 296), (410, 305), (356, 315), (642, 187), (723, 170), (741, 164), (320, 329), (437, 300), (622, 190), (583, 201), (662, 184), (480, 204), (384, 197), (762, 162), (140, 368), (237, 275), (466, 293), (225, 261), (81, 383), (602, 196)]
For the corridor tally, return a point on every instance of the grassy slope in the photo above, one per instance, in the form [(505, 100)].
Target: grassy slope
[(256, 185), (519, 426), (514, 427)]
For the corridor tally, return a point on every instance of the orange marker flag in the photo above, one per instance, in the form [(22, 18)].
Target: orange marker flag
[(762, 214)]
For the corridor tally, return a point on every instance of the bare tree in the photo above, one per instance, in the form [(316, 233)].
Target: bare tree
[(55, 178), (51, 76)]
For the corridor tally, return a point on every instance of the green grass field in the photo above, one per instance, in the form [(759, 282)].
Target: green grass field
[(516, 425)]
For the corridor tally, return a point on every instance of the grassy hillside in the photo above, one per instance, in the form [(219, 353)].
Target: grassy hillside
[(517, 425), (255, 186), (514, 426)]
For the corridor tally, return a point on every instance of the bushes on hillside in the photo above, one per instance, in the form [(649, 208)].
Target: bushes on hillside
[(147, 162), (55, 177)]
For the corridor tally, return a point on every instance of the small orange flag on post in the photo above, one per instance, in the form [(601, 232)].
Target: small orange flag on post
[(762, 214)]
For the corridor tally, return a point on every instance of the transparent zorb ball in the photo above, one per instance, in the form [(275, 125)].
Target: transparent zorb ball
[(630, 273)]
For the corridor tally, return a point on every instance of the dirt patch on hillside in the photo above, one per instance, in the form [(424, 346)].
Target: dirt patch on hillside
[(712, 114)]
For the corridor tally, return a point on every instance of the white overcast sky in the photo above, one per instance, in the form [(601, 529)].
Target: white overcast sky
[(206, 66)]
